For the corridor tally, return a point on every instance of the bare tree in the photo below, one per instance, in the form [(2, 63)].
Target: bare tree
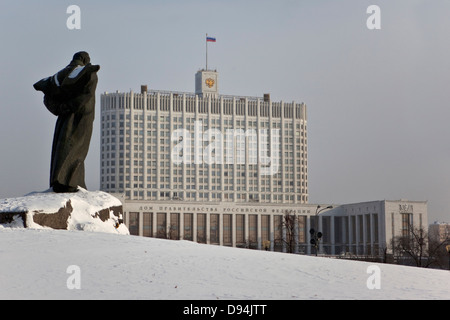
[(411, 245), (438, 254), (416, 246), (250, 243), (173, 233), (170, 233), (288, 224)]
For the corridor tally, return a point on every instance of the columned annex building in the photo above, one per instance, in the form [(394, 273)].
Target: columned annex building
[(224, 170)]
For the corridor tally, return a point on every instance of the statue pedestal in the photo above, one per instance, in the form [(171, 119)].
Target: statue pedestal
[(83, 210)]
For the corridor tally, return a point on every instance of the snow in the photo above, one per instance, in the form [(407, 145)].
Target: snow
[(75, 72), (84, 203), (50, 202), (39, 264)]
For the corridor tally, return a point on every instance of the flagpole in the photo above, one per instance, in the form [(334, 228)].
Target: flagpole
[(206, 52)]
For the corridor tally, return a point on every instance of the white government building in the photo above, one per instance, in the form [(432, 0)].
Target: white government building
[(224, 170)]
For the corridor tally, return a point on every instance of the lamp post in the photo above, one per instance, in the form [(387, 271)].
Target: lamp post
[(315, 234)]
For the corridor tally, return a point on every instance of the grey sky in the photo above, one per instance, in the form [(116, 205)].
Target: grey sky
[(377, 99)]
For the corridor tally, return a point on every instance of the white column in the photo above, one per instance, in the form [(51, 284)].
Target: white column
[(344, 229), (332, 236), (154, 224), (246, 229), (141, 223), (167, 222), (364, 235), (350, 233), (194, 226), (372, 234), (126, 220), (181, 224), (357, 222)]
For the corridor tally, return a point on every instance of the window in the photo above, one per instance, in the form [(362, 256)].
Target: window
[(201, 227), (134, 223), (147, 227), (265, 231), (240, 233), (214, 229), (174, 227), (278, 232), (302, 229), (188, 223), (227, 223), (406, 223), (252, 228), (161, 225)]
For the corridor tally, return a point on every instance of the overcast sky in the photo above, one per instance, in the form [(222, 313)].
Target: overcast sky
[(378, 100)]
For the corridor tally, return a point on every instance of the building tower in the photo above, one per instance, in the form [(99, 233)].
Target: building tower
[(206, 83)]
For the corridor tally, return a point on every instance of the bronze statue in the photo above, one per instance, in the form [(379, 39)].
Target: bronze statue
[(70, 95)]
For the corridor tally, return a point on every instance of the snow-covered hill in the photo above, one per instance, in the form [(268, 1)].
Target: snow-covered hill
[(61, 264)]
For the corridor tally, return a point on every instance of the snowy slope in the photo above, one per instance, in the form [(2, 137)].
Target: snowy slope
[(34, 265)]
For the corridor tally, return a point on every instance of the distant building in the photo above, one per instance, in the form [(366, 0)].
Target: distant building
[(166, 155), (368, 228), (439, 232)]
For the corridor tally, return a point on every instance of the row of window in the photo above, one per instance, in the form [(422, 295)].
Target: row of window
[(161, 225), (247, 231), (190, 104), (206, 195), (109, 121)]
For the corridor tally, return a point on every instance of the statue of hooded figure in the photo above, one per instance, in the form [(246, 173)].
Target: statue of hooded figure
[(70, 95)]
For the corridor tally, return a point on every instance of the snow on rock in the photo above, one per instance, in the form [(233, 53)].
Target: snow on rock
[(82, 210), (40, 264), (49, 201)]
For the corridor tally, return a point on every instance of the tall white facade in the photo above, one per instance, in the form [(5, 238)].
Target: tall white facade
[(265, 159)]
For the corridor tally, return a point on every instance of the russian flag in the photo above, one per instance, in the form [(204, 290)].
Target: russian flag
[(210, 39)]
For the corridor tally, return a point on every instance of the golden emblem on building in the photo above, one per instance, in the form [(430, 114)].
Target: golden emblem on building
[(209, 82)]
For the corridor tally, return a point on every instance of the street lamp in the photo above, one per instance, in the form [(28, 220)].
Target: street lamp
[(315, 234)]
